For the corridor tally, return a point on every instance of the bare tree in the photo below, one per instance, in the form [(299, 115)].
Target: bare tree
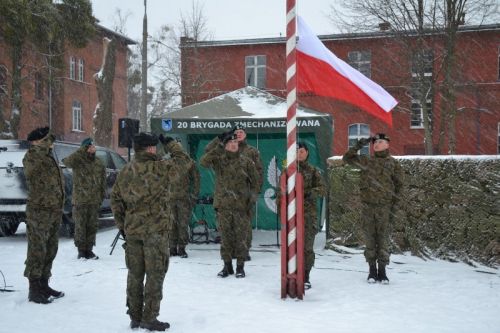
[(412, 22)]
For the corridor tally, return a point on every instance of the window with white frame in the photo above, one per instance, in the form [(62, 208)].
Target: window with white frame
[(38, 86), (498, 148), (3, 80), (421, 89), (356, 132), (77, 116), (80, 69), (72, 64), (361, 61), (255, 71)]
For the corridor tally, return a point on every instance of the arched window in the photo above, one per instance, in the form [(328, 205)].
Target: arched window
[(356, 132), (77, 116), (72, 64)]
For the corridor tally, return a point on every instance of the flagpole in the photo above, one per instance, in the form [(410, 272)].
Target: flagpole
[(291, 155)]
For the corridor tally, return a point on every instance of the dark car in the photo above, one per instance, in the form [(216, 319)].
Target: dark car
[(13, 191)]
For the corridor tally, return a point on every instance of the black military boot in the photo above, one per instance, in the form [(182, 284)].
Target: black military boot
[(307, 283), (228, 269), (372, 276), (134, 324), (382, 276), (155, 325), (173, 251), (82, 254), (182, 252), (91, 255), (48, 291), (240, 272), (35, 294)]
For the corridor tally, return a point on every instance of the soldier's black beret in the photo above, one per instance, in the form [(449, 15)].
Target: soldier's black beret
[(302, 145), (239, 127), (145, 139), (381, 136), (87, 142), (228, 137), (38, 133)]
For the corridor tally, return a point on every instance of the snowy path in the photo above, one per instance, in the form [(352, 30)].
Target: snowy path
[(424, 296)]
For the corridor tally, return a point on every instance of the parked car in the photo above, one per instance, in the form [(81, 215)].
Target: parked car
[(13, 191)]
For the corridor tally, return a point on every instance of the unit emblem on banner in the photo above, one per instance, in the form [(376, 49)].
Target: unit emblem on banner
[(166, 124)]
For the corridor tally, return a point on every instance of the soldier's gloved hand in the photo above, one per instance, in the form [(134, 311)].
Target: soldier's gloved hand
[(122, 233), (363, 142), (165, 140)]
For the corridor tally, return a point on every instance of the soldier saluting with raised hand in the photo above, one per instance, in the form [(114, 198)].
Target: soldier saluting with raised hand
[(236, 183), (380, 185), (89, 187), (140, 205)]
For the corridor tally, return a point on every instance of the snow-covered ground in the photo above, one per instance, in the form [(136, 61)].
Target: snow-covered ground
[(423, 296)]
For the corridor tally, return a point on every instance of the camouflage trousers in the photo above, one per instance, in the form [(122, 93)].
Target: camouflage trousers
[(251, 213), (181, 214), (146, 257), (42, 229), (86, 224), (310, 231), (375, 222), (233, 228)]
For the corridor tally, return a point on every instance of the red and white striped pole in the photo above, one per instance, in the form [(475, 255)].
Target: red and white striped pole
[(291, 155)]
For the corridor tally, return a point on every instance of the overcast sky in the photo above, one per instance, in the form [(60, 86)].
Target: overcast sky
[(227, 19)]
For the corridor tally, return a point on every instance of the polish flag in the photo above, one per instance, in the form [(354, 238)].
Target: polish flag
[(323, 74)]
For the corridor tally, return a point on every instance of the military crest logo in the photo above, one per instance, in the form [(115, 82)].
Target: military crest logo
[(166, 124)]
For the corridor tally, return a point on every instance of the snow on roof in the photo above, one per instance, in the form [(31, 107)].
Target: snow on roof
[(247, 102)]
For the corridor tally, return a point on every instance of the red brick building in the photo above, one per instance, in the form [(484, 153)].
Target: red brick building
[(70, 106), (213, 68)]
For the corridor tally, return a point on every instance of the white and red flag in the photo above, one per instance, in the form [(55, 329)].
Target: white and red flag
[(322, 73)]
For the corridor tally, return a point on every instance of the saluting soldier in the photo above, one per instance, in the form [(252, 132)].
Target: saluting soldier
[(89, 187), (44, 209), (236, 184), (253, 154), (140, 205), (380, 185), (183, 197)]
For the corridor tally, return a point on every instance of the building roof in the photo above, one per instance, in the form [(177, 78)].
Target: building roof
[(123, 38), (247, 102), (187, 42)]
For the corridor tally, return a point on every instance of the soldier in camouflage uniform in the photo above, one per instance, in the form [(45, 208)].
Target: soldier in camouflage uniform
[(44, 209), (236, 184), (314, 188), (380, 184), (89, 187), (183, 194), (139, 200), (254, 155)]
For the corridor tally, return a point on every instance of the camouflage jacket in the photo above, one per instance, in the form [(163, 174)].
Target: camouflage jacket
[(236, 182), (140, 196), (253, 154), (89, 177), (44, 178), (381, 176), (314, 185), (188, 185)]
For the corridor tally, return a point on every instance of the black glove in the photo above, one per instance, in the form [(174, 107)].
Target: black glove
[(363, 142), (222, 136), (122, 233), (165, 140)]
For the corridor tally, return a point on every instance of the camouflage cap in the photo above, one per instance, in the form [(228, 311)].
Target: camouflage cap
[(145, 139), (381, 136), (38, 133)]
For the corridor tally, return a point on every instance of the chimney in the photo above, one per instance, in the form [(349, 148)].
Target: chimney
[(384, 26)]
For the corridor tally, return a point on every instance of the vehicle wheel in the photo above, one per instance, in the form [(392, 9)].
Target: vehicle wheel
[(8, 226), (67, 228)]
